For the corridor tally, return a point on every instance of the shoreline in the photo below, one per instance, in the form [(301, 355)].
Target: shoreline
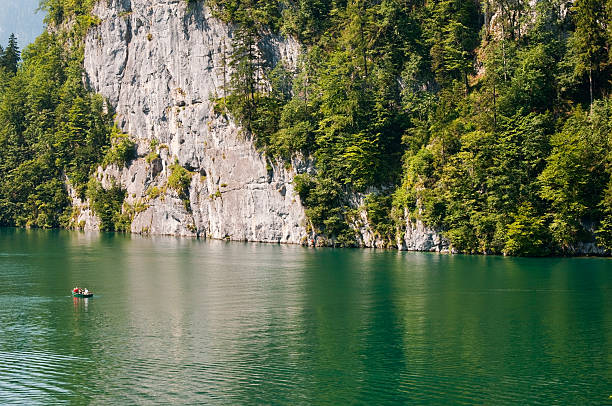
[(228, 240)]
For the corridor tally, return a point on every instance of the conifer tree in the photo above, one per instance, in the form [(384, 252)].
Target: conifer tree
[(588, 43), (11, 55), (244, 61)]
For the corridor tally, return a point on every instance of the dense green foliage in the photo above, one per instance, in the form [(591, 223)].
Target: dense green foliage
[(107, 204), (489, 121), (59, 11), (122, 150), (9, 57), (51, 128)]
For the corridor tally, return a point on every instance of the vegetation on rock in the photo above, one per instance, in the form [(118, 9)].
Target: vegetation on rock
[(487, 120), (108, 204), (179, 180), (122, 150)]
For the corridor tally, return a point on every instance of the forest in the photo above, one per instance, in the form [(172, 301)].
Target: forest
[(488, 120)]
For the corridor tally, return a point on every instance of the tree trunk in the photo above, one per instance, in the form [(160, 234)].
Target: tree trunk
[(504, 54), (363, 45), (224, 63), (591, 86), (494, 107)]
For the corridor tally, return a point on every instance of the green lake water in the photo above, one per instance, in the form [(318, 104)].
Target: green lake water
[(182, 321)]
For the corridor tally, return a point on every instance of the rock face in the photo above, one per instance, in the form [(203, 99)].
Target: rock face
[(160, 63), (418, 237)]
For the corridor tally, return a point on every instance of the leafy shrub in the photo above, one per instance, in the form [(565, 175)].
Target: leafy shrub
[(107, 205), (123, 221), (324, 206), (154, 192), (151, 156), (527, 235), (378, 209), (122, 150), (179, 180)]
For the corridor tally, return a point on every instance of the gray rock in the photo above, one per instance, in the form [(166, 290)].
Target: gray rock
[(160, 64), (418, 237)]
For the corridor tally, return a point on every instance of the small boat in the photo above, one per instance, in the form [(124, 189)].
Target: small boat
[(82, 294), (76, 292)]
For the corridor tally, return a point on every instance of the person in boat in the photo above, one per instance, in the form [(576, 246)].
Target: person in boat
[(75, 290)]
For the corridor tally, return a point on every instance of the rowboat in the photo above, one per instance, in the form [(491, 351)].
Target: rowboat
[(78, 292), (82, 294)]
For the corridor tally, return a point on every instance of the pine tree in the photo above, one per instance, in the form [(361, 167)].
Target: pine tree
[(589, 41), (452, 32), (246, 67), (11, 55)]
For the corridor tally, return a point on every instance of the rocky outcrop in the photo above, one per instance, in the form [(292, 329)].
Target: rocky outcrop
[(412, 236), (418, 237), (160, 64)]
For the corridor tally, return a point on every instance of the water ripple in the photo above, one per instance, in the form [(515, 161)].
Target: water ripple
[(37, 377)]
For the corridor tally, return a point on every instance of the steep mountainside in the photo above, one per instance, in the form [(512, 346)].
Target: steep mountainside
[(160, 64), (476, 127)]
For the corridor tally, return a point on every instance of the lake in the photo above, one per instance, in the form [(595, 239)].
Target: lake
[(212, 322)]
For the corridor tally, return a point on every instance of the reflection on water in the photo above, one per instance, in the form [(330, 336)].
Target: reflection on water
[(188, 321)]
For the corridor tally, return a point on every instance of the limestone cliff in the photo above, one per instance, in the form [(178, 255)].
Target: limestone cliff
[(160, 63)]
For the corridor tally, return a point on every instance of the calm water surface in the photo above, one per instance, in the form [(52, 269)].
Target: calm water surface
[(201, 322)]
